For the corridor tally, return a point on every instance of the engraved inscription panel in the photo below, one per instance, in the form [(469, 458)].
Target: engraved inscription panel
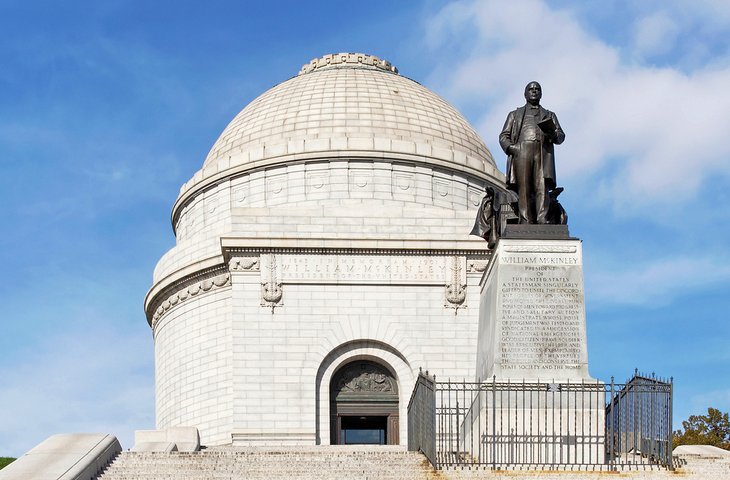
[(542, 313), (422, 269)]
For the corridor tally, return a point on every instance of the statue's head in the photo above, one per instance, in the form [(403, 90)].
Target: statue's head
[(533, 93)]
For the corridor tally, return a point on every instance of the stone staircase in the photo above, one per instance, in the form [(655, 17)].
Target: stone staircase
[(292, 463), (710, 468), (358, 463)]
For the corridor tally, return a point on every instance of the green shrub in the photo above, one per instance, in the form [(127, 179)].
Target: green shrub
[(711, 429), (5, 461)]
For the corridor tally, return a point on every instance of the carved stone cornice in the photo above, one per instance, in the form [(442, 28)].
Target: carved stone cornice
[(250, 251), (190, 291), (244, 264), (541, 249), (476, 266), (246, 246), (345, 59), (186, 288), (256, 260)]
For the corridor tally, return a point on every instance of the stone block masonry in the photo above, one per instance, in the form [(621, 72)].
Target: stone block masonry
[(532, 316)]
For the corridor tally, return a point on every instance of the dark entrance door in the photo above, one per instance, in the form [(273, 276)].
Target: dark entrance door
[(363, 430), (364, 405)]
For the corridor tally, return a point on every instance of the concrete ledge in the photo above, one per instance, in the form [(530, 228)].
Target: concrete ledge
[(700, 451), (173, 439), (71, 456), (187, 439), (466, 244), (297, 437), (164, 447)]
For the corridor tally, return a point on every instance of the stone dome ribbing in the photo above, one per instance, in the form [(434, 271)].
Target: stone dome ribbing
[(348, 102)]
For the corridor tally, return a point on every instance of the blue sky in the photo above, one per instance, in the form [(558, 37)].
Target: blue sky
[(106, 108)]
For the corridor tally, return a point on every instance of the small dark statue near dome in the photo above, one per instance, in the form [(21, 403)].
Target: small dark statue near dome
[(528, 138), (490, 218), (499, 209)]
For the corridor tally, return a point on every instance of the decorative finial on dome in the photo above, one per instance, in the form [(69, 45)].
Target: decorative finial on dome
[(334, 60)]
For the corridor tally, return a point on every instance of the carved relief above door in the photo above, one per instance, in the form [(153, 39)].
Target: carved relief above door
[(364, 405)]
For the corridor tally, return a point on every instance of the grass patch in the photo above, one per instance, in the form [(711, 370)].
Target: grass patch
[(5, 461)]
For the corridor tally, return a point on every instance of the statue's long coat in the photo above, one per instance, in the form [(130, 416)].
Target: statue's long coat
[(511, 135)]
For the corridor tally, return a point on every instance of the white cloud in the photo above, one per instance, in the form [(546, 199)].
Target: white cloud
[(697, 403), (653, 134), (655, 34), (719, 399), (654, 283), (96, 380), (713, 15)]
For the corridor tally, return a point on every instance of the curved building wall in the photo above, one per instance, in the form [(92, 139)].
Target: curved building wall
[(240, 372), (331, 183), (303, 200), (329, 224), (194, 364)]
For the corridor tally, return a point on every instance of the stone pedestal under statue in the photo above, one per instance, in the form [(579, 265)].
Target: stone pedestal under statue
[(532, 318), (532, 356)]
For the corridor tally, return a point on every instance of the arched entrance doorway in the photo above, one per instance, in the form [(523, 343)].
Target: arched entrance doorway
[(364, 405)]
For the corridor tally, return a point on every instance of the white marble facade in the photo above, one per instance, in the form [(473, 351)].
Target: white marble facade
[(329, 224)]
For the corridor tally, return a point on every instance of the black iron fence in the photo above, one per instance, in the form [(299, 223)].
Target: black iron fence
[(422, 417), (549, 425), (639, 419)]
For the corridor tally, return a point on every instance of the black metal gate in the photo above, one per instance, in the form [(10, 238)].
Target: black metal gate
[(537, 424)]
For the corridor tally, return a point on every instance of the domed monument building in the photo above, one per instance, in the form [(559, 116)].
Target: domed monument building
[(327, 303), (322, 257)]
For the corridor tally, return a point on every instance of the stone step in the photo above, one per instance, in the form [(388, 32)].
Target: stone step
[(301, 463), (325, 463)]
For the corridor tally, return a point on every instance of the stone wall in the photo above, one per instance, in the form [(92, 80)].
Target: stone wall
[(232, 362)]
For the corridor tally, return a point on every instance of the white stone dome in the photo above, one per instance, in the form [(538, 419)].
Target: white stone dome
[(347, 96), (346, 103)]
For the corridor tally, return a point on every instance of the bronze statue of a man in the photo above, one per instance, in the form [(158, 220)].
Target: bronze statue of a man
[(528, 138)]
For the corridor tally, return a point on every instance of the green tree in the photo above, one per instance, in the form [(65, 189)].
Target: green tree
[(711, 429), (5, 461)]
